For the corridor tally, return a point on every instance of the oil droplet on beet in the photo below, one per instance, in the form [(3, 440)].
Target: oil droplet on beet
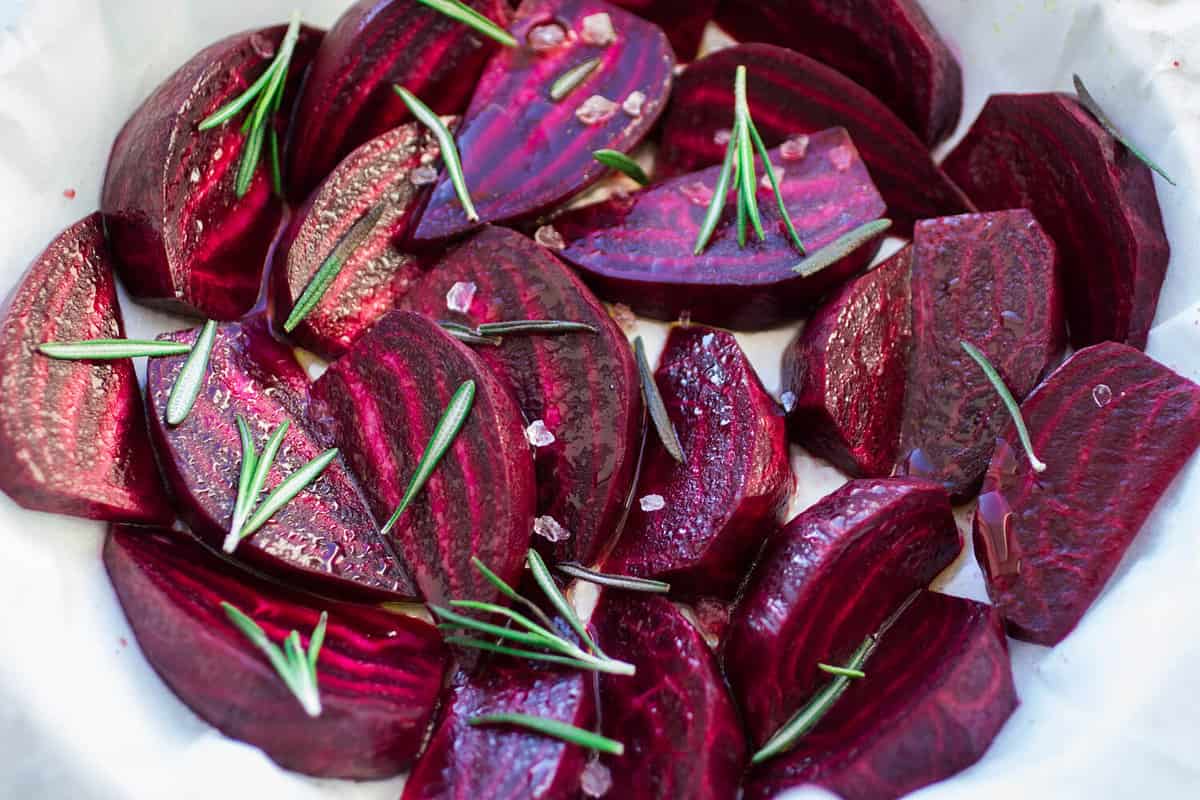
[(538, 435), (194, 176), (634, 103), (1102, 395), (460, 296), (544, 38), (548, 528), (652, 502), (596, 779), (596, 109), (598, 30)]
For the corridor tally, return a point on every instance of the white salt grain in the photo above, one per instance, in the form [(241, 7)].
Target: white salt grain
[(598, 30), (596, 109), (652, 502), (460, 296), (549, 529), (538, 435)]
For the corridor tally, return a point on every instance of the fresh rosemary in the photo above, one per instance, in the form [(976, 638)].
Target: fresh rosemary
[(553, 728), (190, 381), (841, 247), (426, 117), (111, 349), (654, 404), (627, 582), (572, 79), (461, 12), (1010, 402), (615, 159), (331, 266), (295, 666), (1093, 108)]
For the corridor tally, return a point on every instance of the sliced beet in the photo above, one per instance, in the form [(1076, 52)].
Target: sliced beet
[(1113, 427), (990, 280), (583, 386), (682, 20), (938, 690), (719, 506), (379, 674), (524, 152), (182, 238), (73, 432), (1097, 201), (827, 581), (638, 249)]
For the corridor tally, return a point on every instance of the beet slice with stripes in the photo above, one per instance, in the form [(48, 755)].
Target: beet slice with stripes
[(379, 674), (381, 402), (584, 387), (719, 506), (524, 152), (182, 238), (638, 249), (939, 687), (325, 538), (682, 20), (73, 432), (1114, 427), (825, 582), (1096, 199)]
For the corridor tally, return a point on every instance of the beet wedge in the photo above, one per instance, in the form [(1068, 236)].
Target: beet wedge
[(825, 582), (938, 689), (523, 152), (792, 94), (584, 387), (379, 674), (639, 249), (990, 280), (1097, 201), (1113, 427), (73, 432), (682, 20), (698, 525), (183, 239)]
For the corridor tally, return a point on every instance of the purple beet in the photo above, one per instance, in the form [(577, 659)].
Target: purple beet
[(682, 20), (938, 690), (73, 432), (638, 249), (524, 152), (991, 280), (1097, 201), (846, 371), (379, 674), (1113, 427), (825, 582), (727, 499), (182, 238)]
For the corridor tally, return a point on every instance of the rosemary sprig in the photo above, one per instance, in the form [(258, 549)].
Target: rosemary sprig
[(847, 672), (555, 729), (426, 117), (717, 205), (467, 334), (190, 381), (1010, 402), (1093, 108), (654, 403), (287, 490), (572, 79), (250, 487), (534, 326), (627, 582), (615, 159), (461, 12), (331, 266), (111, 349), (841, 247), (297, 668), (545, 582)]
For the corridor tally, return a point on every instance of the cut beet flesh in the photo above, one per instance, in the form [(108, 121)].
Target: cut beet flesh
[(988, 279), (583, 386), (726, 500), (73, 432), (825, 582), (1114, 427), (379, 674), (846, 371), (682, 20), (638, 249), (182, 238), (1097, 201), (524, 152), (381, 401), (325, 537), (938, 690)]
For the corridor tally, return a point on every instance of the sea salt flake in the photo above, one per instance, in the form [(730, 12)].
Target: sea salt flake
[(652, 502), (460, 296), (423, 176), (698, 193), (722, 136), (841, 157), (542, 38), (548, 528), (596, 779), (548, 236), (795, 148), (538, 435), (765, 182), (596, 109), (788, 401), (633, 103), (598, 30)]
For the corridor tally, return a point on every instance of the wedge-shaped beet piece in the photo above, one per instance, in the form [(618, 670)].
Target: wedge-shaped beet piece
[(524, 152), (1097, 201), (825, 582), (639, 249), (939, 688), (379, 674), (182, 238), (1113, 427), (73, 432), (682, 20)]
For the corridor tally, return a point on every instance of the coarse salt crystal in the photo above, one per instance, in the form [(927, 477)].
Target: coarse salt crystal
[(841, 158), (633, 103), (538, 435), (788, 401), (652, 502), (423, 175), (460, 296), (722, 136), (795, 148), (596, 779), (596, 109), (542, 38), (548, 236), (698, 193), (549, 529), (598, 30)]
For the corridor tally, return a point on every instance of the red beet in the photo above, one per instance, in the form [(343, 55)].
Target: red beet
[(1097, 201), (638, 249), (182, 238), (73, 432), (938, 689), (682, 20), (524, 152), (991, 280), (379, 674), (825, 582), (1114, 427)]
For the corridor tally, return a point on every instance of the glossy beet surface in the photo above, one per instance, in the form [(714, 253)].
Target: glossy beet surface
[(938, 690), (1097, 201), (825, 582), (73, 432), (682, 20), (1114, 427), (638, 249), (379, 674)]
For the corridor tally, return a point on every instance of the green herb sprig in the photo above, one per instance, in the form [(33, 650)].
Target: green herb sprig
[(555, 729), (627, 582), (467, 334), (572, 79), (1010, 402), (461, 12), (332, 266), (297, 668), (654, 404), (190, 380), (615, 159), (111, 349), (841, 247), (1093, 108), (426, 117)]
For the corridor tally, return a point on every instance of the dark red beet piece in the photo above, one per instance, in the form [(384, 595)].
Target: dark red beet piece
[(682, 20), (522, 151), (1114, 427), (182, 238), (379, 674), (938, 690), (73, 433), (825, 582), (1097, 201), (638, 248)]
